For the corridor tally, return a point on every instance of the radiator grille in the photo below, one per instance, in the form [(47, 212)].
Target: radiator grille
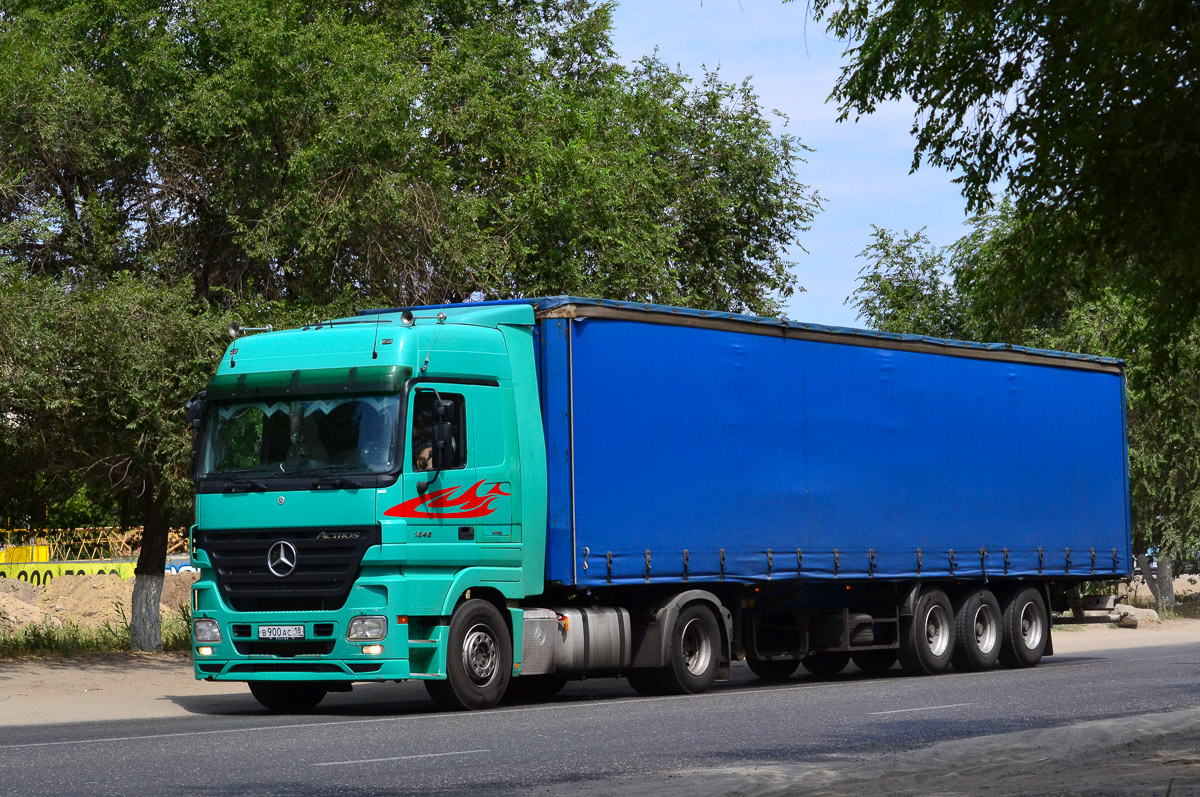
[(327, 561)]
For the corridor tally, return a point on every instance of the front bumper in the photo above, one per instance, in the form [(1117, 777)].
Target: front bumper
[(323, 654)]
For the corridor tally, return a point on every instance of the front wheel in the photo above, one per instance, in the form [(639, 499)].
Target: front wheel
[(1026, 628), (288, 697), (694, 649), (478, 659), (927, 638)]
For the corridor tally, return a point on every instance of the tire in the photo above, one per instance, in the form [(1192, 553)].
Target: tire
[(1026, 629), (644, 682), (774, 669), (977, 631), (927, 638), (532, 688), (874, 662), (478, 659), (825, 664), (288, 697), (695, 647)]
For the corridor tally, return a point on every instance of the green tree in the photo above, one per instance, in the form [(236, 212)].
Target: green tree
[(905, 287), (168, 166), (1086, 113), (426, 152), (95, 380)]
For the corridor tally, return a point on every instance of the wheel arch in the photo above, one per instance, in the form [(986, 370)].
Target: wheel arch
[(654, 648)]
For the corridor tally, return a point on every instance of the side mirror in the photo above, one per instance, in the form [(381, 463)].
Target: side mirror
[(194, 413), (194, 409), (441, 452)]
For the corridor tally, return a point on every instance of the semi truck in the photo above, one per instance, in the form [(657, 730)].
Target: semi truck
[(499, 497)]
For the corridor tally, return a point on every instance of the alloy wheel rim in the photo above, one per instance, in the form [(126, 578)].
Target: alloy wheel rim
[(937, 630), (697, 646), (479, 654), (987, 631), (1031, 625)]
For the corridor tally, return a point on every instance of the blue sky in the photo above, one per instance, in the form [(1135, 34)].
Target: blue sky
[(860, 169)]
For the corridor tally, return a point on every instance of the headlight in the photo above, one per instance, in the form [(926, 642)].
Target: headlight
[(367, 628), (205, 630)]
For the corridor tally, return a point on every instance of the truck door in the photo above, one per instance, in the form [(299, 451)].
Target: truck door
[(446, 506), (493, 447)]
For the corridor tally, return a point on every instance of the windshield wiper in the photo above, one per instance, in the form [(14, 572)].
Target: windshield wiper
[(245, 486), (334, 483)]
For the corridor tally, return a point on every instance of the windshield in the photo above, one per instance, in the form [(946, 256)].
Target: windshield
[(353, 434)]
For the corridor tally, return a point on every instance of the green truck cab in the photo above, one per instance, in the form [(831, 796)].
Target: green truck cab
[(318, 501)]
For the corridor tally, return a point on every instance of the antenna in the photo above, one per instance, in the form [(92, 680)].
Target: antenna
[(441, 319)]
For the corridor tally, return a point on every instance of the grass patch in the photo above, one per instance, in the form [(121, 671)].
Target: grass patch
[(49, 638)]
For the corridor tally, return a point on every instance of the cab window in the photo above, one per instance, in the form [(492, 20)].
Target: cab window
[(425, 415)]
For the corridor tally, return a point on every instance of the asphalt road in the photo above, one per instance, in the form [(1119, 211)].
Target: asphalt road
[(388, 738)]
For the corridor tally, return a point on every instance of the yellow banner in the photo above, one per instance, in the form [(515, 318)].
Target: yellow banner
[(41, 572)]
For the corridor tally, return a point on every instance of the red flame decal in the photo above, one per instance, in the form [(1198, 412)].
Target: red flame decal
[(469, 504)]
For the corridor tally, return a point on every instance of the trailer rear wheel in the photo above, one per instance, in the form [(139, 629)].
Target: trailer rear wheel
[(695, 646), (927, 638), (825, 664), (1026, 628), (773, 669), (288, 697), (478, 659), (874, 662), (977, 631)]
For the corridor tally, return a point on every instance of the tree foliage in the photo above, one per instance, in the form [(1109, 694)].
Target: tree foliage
[(168, 167), (1086, 113), (421, 152)]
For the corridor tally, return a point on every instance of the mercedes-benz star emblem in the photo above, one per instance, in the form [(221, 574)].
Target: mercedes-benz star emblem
[(281, 559)]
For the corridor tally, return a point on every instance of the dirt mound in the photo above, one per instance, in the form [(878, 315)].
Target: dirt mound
[(87, 601), (21, 590), (15, 612)]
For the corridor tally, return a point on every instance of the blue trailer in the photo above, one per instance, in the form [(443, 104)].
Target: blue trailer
[(652, 492)]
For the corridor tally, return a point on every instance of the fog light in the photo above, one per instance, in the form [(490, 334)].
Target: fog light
[(372, 650), (205, 651), (367, 628), (205, 630)]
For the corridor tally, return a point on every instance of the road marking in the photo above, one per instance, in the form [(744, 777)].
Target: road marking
[(923, 708), (396, 758)]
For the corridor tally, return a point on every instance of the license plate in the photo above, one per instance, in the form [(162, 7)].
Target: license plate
[(281, 632)]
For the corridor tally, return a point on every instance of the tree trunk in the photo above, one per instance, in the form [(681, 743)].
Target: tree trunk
[(1166, 583), (1143, 563), (145, 625), (1075, 603), (1160, 582)]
